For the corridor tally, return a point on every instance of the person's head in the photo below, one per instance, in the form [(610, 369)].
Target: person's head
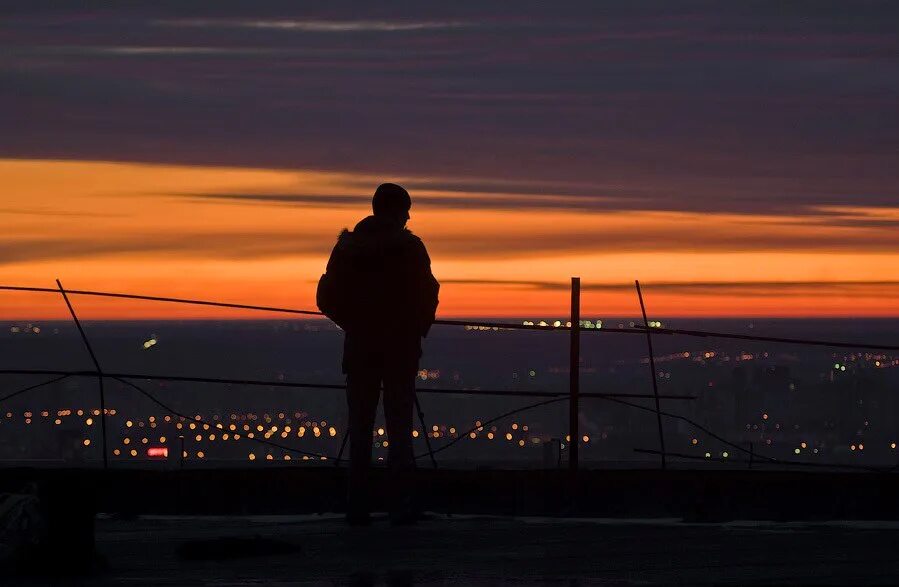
[(391, 202)]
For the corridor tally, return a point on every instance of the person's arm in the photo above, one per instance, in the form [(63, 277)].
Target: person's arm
[(429, 289), (330, 295)]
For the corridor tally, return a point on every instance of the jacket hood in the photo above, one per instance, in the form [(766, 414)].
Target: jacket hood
[(371, 224), (373, 234)]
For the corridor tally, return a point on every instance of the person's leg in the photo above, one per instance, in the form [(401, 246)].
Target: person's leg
[(362, 392), (399, 400)]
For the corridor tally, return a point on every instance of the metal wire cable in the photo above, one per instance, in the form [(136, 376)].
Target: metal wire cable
[(692, 423), (305, 385), (753, 454), (779, 462), (777, 339), (503, 325), (500, 417), (85, 292), (608, 397), (33, 387), (557, 397), (171, 410)]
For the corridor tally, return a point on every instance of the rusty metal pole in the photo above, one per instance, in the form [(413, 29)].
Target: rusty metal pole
[(574, 376), (652, 368)]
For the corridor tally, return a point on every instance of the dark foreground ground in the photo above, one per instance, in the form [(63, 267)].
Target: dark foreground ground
[(688, 527), (484, 550)]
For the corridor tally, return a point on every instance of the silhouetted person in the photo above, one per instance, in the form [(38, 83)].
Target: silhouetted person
[(379, 289)]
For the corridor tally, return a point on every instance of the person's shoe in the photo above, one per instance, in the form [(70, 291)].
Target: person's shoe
[(358, 519)]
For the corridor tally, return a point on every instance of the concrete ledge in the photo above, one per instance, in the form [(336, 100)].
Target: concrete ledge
[(72, 496)]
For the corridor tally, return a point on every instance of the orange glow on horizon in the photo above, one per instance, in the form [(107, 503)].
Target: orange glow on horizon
[(173, 231)]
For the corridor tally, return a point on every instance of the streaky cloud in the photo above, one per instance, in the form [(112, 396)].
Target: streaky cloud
[(455, 201), (316, 26), (221, 245), (711, 288)]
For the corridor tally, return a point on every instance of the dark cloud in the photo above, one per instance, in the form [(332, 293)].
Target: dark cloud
[(188, 245), (870, 234), (756, 107), (314, 26), (461, 201), (61, 213), (607, 238), (712, 288), (492, 196), (610, 239)]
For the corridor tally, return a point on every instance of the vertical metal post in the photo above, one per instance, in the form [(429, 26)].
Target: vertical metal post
[(90, 351), (574, 380), (424, 429), (346, 436), (652, 369)]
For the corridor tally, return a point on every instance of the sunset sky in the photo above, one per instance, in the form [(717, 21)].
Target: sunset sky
[(739, 161)]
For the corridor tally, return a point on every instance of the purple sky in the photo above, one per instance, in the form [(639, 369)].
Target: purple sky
[(744, 107)]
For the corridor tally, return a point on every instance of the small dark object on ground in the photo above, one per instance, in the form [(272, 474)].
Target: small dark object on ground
[(230, 547)]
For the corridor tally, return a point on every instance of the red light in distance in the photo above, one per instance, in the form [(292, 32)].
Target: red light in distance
[(158, 451)]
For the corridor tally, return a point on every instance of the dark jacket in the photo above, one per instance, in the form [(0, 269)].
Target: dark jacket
[(379, 289)]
